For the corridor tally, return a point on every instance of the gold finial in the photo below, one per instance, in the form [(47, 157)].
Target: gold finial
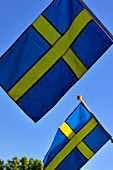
[(79, 97)]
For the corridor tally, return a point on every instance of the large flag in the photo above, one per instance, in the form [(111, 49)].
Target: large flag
[(51, 56), (78, 138)]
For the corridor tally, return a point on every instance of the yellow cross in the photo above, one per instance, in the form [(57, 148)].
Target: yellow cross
[(75, 141), (59, 49)]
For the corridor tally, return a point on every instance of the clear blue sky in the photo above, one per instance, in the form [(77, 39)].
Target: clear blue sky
[(20, 136)]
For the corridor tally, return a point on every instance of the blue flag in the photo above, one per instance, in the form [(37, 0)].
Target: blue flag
[(78, 138), (51, 56)]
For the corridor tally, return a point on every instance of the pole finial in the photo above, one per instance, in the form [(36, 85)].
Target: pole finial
[(79, 97)]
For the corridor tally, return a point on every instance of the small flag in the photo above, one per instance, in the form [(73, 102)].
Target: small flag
[(51, 56), (77, 140)]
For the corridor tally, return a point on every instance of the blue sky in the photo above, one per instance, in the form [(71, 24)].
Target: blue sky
[(19, 134)]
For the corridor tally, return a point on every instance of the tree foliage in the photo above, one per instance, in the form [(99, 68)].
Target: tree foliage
[(21, 164)]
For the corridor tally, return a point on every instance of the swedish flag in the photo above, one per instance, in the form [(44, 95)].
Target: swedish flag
[(51, 56), (78, 138)]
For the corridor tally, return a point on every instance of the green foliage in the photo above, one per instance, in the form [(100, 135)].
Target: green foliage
[(21, 164), (1, 164)]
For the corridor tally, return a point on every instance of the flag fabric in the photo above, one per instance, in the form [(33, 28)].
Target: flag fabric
[(78, 138), (51, 56)]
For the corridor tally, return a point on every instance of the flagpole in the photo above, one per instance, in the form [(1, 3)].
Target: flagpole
[(79, 97), (97, 20)]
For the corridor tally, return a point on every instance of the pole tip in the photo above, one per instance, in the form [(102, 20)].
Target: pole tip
[(79, 97), (111, 140)]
